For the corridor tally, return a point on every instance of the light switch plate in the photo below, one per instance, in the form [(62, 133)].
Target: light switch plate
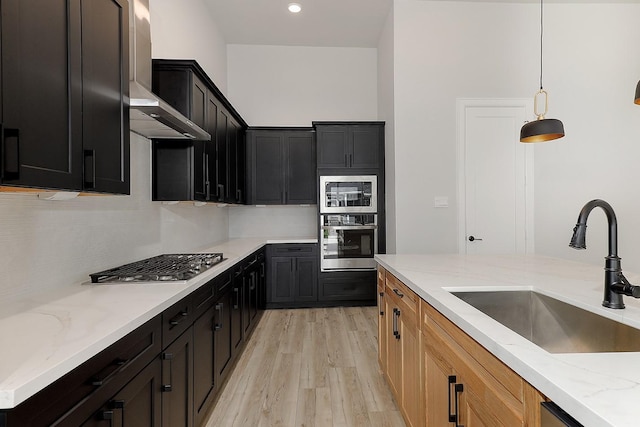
[(441, 202)]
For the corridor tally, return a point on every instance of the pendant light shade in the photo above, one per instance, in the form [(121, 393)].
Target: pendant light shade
[(637, 101), (542, 129)]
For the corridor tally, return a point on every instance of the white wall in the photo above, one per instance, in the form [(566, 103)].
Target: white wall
[(386, 104), (449, 50), (293, 85), (49, 245), (185, 29)]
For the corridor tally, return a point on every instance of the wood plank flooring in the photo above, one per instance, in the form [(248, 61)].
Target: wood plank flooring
[(309, 367)]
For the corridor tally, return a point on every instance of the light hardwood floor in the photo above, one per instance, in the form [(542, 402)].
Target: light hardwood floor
[(309, 367)]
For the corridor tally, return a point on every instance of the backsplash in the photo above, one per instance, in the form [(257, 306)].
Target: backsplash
[(53, 244), (273, 221)]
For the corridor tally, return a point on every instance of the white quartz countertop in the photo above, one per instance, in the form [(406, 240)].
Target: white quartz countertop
[(47, 335), (598, 389)]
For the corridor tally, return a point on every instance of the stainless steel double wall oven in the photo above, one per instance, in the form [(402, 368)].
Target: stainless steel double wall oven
[(348, 222)]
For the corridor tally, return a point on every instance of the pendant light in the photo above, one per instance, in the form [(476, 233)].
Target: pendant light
[(542, 129), (637, 101)]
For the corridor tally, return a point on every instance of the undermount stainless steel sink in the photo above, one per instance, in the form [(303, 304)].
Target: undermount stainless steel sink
[(554, 325)]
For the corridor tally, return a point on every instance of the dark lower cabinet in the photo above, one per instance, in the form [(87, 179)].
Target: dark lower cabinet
[(166, 373), (293, 274), (177, 382), (348, 286), (138, 404)]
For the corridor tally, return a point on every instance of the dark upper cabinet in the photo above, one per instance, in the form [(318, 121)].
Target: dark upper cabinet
[(65, 118), (350, 145), (282, 166), (204, 170)]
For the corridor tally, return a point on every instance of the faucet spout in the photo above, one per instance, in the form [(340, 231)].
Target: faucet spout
[(615, 284)]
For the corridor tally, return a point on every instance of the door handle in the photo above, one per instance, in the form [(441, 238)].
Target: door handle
[(472, 239)]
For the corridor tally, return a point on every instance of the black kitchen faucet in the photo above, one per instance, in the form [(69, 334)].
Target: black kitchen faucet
[(615, 284)]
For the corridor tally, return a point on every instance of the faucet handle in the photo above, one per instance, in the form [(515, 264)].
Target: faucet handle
[(625, 288)]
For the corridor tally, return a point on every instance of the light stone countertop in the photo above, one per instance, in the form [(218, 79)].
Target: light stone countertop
[(47, 335), (598, 389)]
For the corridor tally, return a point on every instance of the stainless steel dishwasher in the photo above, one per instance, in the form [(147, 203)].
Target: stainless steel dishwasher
[(551, 415)]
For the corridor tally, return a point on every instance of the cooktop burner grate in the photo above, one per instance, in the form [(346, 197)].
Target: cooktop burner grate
[(161, 268)]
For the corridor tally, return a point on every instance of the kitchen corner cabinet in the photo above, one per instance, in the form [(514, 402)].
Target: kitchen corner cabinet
[(350, 145), (65, 117), (198, 170), (440, 376), (281, 166), (293, 275)]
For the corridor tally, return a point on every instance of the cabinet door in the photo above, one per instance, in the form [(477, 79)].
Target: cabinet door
[(300, 186), (137, 404), (211, 152), (394, 352), (236, 312), (233, 167), (199, 104), (177, 382), (306, 279), (332, 145), (222, 134), (41, 147), (282, 279), (105, 83), (438, 390), (204, 373), (267, 183), (364, 146), (223, 342), (410, 368), (198, 171)]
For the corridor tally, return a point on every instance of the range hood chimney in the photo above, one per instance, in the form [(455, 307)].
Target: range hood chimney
[(150, 116)]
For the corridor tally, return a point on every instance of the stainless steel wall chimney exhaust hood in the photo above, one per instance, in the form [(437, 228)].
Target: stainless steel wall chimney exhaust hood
[(150, 116)]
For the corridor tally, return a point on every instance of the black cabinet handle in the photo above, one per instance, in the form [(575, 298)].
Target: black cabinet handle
[(207, 181), (89, 169), (262, 270), (350, 160), (220, 308), (220, 192), (166, 388), (239, 196), (396, 315), (380, 303), (397, 292), (10, 153), (109, 372), (106, 415), (236, 305), (459, 388), (178, 318), (452, 382)]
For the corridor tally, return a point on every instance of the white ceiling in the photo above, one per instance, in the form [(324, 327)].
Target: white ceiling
[(331, 23)]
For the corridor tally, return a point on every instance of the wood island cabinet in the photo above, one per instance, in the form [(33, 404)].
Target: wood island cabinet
[(64, 90), (439, 375)]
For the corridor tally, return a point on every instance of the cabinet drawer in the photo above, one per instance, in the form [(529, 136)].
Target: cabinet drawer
[(176, 319), (291, 249), (356, 286), (402, 295), (203, 298), (95, 380)]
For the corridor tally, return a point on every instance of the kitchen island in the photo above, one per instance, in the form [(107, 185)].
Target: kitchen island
[(597, 389)]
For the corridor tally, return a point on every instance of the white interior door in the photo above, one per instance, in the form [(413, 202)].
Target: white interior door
[(495, 177)]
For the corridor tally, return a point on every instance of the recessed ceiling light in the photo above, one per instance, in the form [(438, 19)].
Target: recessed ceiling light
[(294, 7)]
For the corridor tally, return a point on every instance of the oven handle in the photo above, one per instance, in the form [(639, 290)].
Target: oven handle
[(349, 227)]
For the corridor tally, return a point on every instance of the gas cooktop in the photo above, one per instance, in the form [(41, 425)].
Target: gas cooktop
[(161, 268)]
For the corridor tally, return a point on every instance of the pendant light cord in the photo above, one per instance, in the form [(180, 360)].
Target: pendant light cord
[(541, 32)]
